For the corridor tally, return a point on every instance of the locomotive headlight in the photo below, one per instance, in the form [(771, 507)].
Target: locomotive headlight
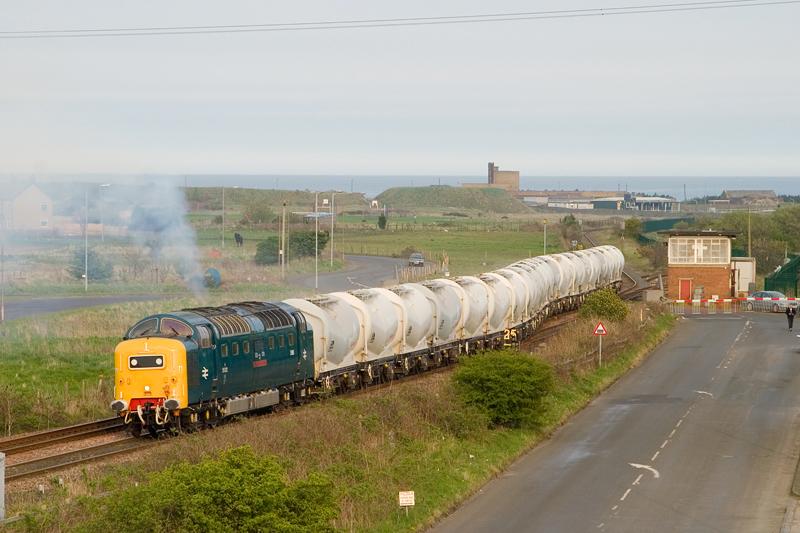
[(147, 388), (134, 362), (159, 361)]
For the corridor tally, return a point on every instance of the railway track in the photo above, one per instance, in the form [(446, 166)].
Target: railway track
[(43, 439), (63, 460)]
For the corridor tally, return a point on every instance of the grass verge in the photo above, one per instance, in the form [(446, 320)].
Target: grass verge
[(416, 435)]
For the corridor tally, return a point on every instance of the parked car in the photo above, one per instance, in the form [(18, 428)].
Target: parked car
[(416, 260), (768, 304)]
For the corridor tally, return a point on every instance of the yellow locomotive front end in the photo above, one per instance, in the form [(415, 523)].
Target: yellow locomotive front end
[(149, 381)]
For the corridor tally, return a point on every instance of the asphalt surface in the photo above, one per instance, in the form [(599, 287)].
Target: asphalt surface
[(703, 436), (361, 271), (39, 306)]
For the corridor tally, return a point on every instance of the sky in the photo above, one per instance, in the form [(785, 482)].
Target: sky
[(678, 94)]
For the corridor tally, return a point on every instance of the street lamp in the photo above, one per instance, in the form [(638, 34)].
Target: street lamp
[(333, 214), (316, 242), (86, 240), (544, 223), (223, 216), (102, 211)]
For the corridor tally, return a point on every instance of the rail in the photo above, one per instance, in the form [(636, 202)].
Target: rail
[(42, 439)]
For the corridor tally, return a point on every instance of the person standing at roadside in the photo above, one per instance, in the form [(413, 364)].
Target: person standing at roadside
[(791, 311)]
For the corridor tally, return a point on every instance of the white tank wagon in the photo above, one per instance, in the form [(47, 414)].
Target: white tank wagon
[(374, 334), (501, 316), (481, 306), (420, 305)]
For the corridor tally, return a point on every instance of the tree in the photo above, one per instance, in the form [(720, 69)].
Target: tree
[(100, 269), (382, 221), (267, 251), (633, 227), (257, 212)]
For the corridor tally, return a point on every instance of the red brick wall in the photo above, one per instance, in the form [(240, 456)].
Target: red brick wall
[(716, 280)]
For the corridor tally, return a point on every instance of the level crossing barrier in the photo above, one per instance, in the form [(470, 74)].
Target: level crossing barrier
[(713, 306)]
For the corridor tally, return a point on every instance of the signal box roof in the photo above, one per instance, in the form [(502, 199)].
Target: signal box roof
[(699, 233)]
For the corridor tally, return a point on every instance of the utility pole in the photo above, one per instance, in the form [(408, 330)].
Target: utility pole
[(223, 216), (333, 215), (316, 242), (86, 240), (749, 240), (544, 223), (102, 209), (283, 242), (3, 277)]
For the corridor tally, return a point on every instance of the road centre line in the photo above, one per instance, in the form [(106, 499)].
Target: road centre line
[(638, 479), (663, 444), (625, 495), (654, 456)]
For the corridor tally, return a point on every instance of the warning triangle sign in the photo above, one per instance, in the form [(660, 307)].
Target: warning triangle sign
[(600, 329)]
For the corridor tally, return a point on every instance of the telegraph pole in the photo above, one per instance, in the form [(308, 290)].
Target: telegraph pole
[(223, 216), (86, 240), (749, 240), (316, 242), (283, 242), (545, 236), (333, 214)]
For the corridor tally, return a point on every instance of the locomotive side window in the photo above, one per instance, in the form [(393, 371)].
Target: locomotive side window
[(291, 339), (223, 350), (281, 341), (246, 347), (144, 328), (171, 327), (259, 346), (205, 336), (235, 348), (272, 343)]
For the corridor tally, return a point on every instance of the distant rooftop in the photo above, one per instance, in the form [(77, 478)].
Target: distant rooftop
[(699, 233)]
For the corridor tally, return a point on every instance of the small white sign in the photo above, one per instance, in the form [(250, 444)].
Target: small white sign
[(600, 329), (406, 498)]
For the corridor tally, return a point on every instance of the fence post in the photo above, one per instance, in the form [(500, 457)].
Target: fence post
[(2, 487)]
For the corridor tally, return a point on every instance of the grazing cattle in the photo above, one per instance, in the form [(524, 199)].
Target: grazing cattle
[(239, 239)]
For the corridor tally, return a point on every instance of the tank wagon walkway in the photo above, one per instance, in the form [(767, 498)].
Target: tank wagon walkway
[(703, 436)]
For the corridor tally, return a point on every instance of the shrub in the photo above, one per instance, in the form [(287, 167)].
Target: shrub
[(604, 303), (633, 227), (302, 243), (509, 387), (256, 212), (267, 251), (236, 491), (382, 221), (99, 267)]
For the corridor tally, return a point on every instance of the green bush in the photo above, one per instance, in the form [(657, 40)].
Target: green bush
[(508, 386), (382, 220), (633, 227), (100, 269), (267, 251), (604, 303), (237, 491)]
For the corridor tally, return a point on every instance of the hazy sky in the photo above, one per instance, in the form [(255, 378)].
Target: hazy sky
[(698, 93)]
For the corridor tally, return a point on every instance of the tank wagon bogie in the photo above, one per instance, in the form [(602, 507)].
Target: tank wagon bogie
[(196, 367)]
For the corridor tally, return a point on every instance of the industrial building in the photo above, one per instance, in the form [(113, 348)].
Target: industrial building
[(498, 179)]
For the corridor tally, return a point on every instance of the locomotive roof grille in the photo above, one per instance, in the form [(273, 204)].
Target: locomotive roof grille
[(229, 318)]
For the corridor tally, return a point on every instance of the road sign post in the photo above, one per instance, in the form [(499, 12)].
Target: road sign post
[(600, 332), (406, 499)]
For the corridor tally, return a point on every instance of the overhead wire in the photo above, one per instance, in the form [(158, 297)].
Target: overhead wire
[(390, 22)]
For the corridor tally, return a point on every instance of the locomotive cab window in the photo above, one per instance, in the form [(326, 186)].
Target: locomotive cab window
[(271, 343), (246, 347), (205, 336), (171, 327), (291, 339), (223, 350), (235, 348), (145, 328)]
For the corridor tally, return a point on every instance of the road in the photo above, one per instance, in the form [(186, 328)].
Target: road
[(702, 437), (362, 271), (38, 306)]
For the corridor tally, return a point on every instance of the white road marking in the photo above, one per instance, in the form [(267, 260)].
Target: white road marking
[(625, 495), (655, 473), (704, 393), (638, 479), (654, 456), (672, 433), (679, 423), (600, 525), (615, 508), (664, 443)]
